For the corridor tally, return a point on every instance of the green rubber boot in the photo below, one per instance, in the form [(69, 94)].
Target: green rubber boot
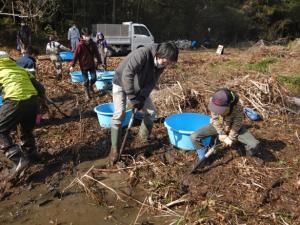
[(145, 130), (144, 135), (116, 133)]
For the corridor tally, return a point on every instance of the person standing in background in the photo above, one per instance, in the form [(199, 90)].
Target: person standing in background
[(23, 37), (85, 53), (53, 48), (73, 36), (102, 47)]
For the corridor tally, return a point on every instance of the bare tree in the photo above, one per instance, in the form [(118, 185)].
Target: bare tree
[(34, 10)]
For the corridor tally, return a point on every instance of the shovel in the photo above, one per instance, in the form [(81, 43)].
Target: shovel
[(201, 162), (134, 111), (58, 109)]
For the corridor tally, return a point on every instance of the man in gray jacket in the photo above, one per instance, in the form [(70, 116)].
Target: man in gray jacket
[(135, 78), (73, 36)]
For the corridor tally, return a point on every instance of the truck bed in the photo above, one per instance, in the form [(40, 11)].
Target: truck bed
[(115, 34)]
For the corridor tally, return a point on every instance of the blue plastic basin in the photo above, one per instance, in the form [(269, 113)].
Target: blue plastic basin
[(66, 56), (105, 74), (104, 84), (1, 101), (76, 77), (181, 126), (104, 78), (105, 112)]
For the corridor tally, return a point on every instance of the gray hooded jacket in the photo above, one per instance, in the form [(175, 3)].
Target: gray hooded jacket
[(137, 73)]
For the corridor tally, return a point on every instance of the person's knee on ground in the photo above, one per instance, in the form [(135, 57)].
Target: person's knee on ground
[(195, 140), (253, 148)]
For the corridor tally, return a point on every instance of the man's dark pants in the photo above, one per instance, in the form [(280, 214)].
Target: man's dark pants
[(23, 113)]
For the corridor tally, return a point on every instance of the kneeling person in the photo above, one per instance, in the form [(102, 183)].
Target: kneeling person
[(226, 122)]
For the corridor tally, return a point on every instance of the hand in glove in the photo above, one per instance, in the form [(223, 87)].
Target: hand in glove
[(222, 137), (137, 102), (228, 141)]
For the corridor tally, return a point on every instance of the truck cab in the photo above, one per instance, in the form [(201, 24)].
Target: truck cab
[(125, 37), (140, 36)]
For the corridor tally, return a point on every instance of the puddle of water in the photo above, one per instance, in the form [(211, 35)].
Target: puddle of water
[(76, 208)]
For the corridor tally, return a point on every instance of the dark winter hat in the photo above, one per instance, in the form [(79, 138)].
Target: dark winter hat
[(220, 101), (85, 31)]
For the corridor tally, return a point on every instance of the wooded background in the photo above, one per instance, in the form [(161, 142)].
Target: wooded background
[(230, 21)]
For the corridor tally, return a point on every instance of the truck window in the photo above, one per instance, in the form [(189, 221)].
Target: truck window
[(141, 31)]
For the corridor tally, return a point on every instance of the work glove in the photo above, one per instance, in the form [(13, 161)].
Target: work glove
[(228, 141), (137, 102), (222, 137)]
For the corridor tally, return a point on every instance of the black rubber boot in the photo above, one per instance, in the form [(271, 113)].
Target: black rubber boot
[(20, 161), (87, 93), (58, 77)]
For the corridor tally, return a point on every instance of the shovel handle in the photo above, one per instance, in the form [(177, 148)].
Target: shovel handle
[(58, 109)]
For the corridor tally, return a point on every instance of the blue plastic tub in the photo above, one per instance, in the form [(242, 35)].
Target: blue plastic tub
[(104, 84), (76, 76), (105, 74), (181, 126), (104, 78), (1, 101), (66, 56), (105, 112)]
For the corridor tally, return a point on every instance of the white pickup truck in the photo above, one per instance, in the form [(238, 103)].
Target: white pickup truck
[(125, 37)]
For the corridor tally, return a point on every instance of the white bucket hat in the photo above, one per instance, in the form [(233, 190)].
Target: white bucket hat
[(3, 54)]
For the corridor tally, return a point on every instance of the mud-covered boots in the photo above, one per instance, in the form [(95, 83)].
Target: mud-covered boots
[(87, 93), (20, 160), (144, 135), (116, 133), (92, 90)]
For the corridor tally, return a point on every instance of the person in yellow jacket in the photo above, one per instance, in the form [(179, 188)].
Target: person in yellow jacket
[(20, 93)]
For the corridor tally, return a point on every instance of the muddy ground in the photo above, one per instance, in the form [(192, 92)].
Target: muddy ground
[(230, 189)]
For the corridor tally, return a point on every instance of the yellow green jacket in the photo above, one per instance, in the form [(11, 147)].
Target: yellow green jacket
[(15, 81)]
